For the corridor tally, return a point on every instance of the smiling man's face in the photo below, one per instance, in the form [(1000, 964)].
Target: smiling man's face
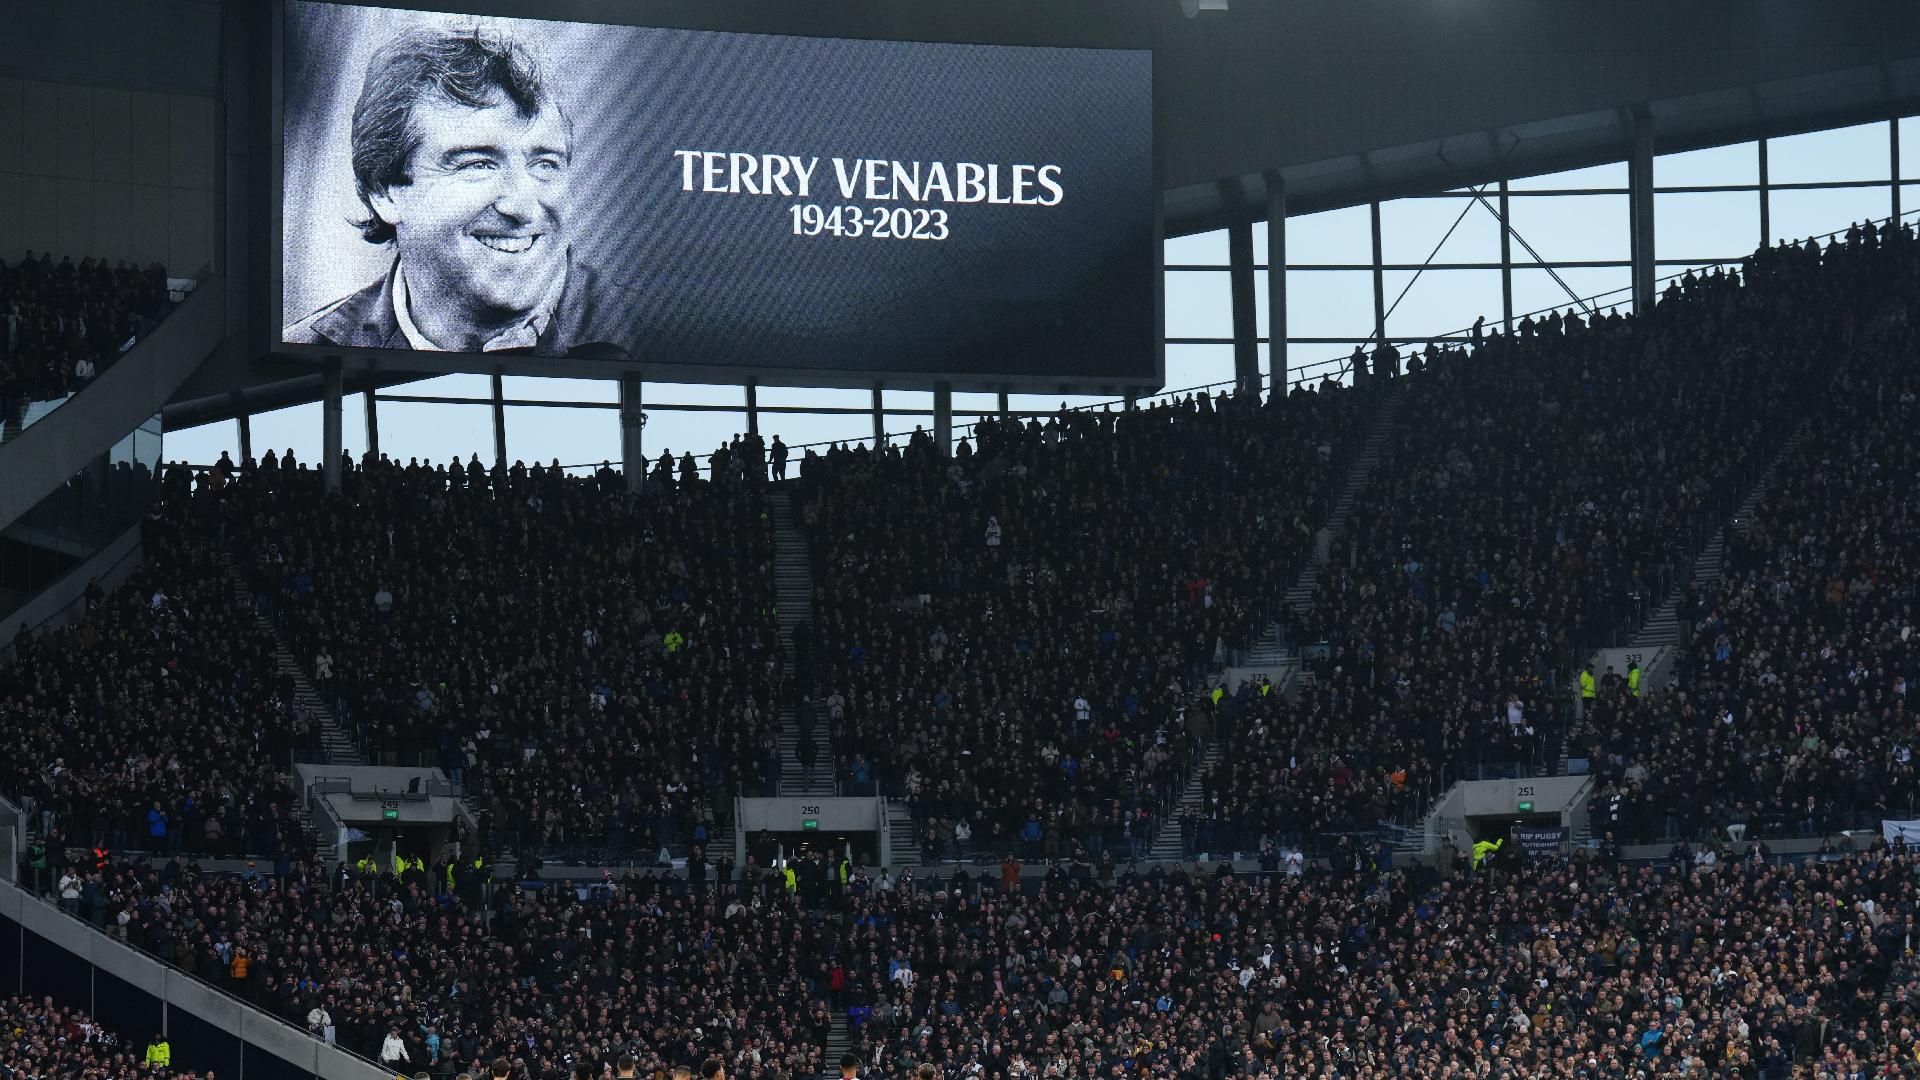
[(480, 225)]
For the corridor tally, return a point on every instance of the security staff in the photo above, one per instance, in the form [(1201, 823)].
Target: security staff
[(1633, 678), (1586, 685), (1484, 848), (159, 1052)]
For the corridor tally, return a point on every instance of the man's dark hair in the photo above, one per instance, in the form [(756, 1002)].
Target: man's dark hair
[(849, 1060), (711, 1068), (467, 68), (501, 1068)]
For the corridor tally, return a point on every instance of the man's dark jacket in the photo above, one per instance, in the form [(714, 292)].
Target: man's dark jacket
[(584, 325)]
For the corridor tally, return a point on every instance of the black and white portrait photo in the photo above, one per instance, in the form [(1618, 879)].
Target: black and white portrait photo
[(463, 162), (485, 185)]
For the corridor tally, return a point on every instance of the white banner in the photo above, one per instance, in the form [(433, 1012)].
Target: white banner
[(1901, 830)]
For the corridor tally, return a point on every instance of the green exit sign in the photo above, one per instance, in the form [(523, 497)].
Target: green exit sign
[(391, 813), (1526, 807), (811, 824)]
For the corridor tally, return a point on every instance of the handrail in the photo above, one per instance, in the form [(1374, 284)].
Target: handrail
[(1339, 363), (349, 1065)]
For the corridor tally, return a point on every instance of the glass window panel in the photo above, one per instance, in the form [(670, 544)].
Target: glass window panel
[(1534, 290), (582, 437), (433, 433), (1797, 215), (1411, 228), (1910, 148), (1675, 272), (1440, 302), (1735, 163), (676, 393), (353, 426), (296, 427), (542, 388), (900, 428), (814, 397), (1612, 175), (699, 432), (1706, 225), (1571, 227), (798, 430), (1051, 402), (909, 399), (1198, 365), (465, 385), (974, 399), (1199, 303), (963, 425), (1201, 249), (1343, 236), (203, 445), (1329, 303), (1314, 362), (1848, 153), (1909, 201)]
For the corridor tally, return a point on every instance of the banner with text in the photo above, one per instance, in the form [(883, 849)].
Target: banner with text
[(1540, 843)]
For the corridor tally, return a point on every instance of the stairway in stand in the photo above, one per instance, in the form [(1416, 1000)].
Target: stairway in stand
[(1270, 655), (1168, 844), (839, 1041), (340, 746), (1662, 628), (793, 591), (1300, 596), (905, 842)]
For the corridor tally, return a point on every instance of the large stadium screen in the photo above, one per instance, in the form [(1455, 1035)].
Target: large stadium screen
[(574, 194)]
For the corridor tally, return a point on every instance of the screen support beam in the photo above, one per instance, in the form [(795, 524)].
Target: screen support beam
[(1246, 352), (1506, 261), (330, 437), (1640, 210), (879, 419), (1379, 281), (1276, 285), (753, 407), (633, 453), (499, 421), (1766, 192), (246, 437), (373, 424), (1893, 169), (943, 418)]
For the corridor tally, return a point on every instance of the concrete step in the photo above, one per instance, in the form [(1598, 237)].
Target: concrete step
[(838, 1042), (1167, 843), (340, 745)]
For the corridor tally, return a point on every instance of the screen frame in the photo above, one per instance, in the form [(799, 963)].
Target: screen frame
[(604, 12)]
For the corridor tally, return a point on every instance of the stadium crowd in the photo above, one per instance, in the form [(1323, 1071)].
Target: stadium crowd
[(1787, 711), (157, 722), (45, 1041), (1717, 962), (1015, 639), (1541, 493), (63, 322), (600, 670)]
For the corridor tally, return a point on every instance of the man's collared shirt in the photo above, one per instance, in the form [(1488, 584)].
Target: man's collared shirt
[(521, 335)]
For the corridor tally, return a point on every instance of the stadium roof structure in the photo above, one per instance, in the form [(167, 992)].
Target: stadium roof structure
[(1354, 102), (1344, 101)]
